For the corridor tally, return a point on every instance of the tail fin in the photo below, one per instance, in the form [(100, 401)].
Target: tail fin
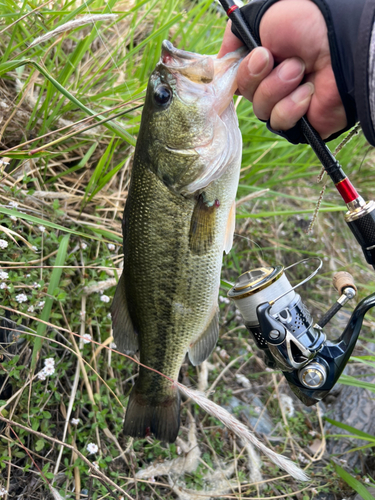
[(144, 416)]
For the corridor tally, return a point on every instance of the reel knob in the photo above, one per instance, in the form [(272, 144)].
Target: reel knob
[(342, 280), (313, 375)]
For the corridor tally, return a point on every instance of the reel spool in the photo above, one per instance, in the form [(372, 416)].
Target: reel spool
[(283, 328)]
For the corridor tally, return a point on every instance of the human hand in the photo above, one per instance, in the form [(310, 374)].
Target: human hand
[(294, 36)]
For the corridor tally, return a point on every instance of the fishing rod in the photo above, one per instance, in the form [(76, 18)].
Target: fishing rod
[(361, 214), (275, 315)]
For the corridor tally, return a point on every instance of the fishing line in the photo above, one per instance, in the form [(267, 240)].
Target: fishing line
[(259, 248)]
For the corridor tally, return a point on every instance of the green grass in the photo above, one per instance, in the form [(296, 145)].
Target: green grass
[(71, 112)]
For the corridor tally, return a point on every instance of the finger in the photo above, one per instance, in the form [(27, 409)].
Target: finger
[(253, 69), (283, 80), (230, 42), (289, 110), (326, 112)]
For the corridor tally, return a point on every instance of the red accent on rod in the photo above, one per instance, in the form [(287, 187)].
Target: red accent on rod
[(347, 190), (231, 9)]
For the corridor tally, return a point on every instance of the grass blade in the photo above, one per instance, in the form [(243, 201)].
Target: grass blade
[(349, 428), (113, 127), (52, 225), (354, 483)]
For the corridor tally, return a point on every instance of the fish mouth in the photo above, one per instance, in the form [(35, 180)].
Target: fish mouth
[(210, 82), (219, 75)]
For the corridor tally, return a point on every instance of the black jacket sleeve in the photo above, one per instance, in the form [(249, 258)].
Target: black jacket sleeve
[(349, 29)]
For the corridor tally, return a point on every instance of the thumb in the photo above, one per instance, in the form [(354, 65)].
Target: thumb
[(230, 42)]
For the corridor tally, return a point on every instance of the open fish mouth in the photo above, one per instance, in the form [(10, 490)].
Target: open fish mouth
[(217, 77), (219, 73)]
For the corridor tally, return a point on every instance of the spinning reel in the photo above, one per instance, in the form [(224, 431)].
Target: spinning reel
[(283, 328)]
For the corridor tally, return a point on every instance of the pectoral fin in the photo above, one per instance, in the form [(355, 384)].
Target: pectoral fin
[(202, 226), (125, 336), (229, 232), (202, 348)]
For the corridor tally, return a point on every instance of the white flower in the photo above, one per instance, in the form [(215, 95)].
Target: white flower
[(152, 479), (49, 362), (42, 375), (223, 354), (13, 218), (86, 337), (41, 229), (312, 433), (303, 459), (74, 421), (36, 285), (178, 450), (13, 204), (92, 448), (4, 275), (30, 309), (3, 286), (34, 248), (21, 297), (3, 244), (3, 491), (244, 381), (225, 300), (367, 480), (28, 275), (111, 246), (49, 370), (41, 303), (3, 162), (105, 298), (112, 345), (83, 245)]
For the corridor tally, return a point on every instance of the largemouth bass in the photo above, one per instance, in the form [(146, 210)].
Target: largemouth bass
[(179, 218)]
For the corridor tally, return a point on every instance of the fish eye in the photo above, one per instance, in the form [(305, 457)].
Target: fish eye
[(162, 95)]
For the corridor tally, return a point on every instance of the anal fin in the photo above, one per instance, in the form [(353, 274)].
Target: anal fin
[(125, 336), (202, 348)]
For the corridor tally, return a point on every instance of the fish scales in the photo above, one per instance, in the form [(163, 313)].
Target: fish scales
[(177, 221)]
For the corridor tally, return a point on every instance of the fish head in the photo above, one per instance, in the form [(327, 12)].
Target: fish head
[(188, 122)]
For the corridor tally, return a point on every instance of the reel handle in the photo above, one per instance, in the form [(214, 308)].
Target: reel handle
[(344, 284)]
